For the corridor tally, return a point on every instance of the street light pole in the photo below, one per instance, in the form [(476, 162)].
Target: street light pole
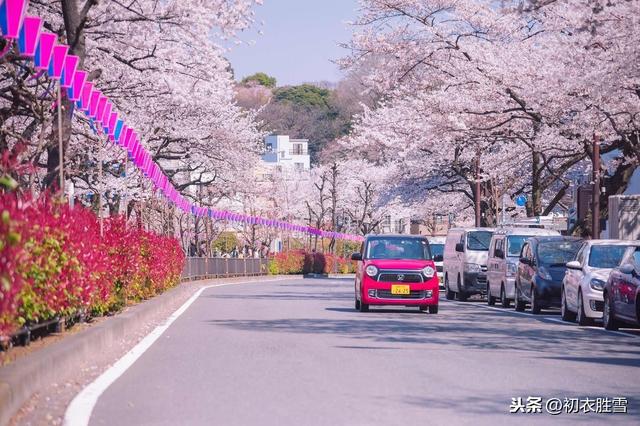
[(477, 191), (60, 143), (595, 204)]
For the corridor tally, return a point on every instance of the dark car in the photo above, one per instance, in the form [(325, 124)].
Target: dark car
[(543, 262), (622, 293)]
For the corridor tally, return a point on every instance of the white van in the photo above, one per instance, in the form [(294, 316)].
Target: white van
[(436, 244), (504, 254), (465, 261)]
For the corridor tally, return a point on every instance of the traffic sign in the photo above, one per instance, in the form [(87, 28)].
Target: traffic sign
[(521, 200)]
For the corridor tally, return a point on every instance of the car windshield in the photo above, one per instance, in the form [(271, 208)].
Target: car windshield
[(514, 245), (479, 240), (606, 256), (636, 257), (558, 252), (398, 248), (437, 249)]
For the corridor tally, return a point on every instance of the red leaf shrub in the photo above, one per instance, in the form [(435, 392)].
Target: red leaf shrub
[(314, 262), (339, 264), (53, 262), (299, 262), (287, 263)]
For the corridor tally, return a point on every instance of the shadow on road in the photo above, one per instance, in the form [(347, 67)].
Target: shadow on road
[(458, 326)]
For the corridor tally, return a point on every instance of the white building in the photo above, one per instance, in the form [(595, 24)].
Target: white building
[(282, 151)]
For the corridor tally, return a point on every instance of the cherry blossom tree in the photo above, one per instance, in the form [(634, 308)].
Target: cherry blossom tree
[(514, 88)]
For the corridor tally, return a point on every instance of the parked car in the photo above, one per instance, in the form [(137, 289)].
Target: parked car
[(504, 253), (622, 293), (437, 249), (465, 262), (586, 276), (543, 262), (396, 270)]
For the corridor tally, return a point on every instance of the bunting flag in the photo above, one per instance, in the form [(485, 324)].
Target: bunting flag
[(53, 58)]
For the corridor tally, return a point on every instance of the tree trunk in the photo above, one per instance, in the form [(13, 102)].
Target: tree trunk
[(535, 205), (75, 38)]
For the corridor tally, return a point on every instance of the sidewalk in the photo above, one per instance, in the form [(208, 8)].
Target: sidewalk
[(88, 349)]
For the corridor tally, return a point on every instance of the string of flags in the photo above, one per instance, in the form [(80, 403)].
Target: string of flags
[(54, 59)]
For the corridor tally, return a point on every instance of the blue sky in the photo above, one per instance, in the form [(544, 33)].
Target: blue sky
[(299, 39)]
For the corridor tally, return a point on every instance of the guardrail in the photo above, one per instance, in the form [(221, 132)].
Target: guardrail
[(200, 268)]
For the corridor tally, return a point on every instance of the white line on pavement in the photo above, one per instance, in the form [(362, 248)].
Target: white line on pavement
[(79, 411), (528, 314)]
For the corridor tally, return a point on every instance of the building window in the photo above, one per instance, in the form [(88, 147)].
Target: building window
[(299, 166), (282, 154), (298, 149), (269, 147)]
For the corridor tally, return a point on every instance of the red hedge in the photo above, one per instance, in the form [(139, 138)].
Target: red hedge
[(53, 262)]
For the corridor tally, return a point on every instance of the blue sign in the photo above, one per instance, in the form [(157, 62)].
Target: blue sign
[(521, 200)]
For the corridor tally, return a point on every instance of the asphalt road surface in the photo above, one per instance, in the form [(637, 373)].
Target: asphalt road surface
[(296, 353)]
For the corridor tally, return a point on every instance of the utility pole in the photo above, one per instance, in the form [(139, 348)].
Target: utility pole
[(60, 142), (477, 192), (100, 190), (595, 204)]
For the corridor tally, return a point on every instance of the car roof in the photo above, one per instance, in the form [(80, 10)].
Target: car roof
[(542, 239), (613, 242), (472, 229), (423, 237), (527, 231)]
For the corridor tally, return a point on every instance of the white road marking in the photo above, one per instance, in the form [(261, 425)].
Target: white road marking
[(553, 319), (79, 411)]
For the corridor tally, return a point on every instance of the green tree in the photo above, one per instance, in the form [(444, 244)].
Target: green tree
[(305, 95), (225, 242), (262, 79)]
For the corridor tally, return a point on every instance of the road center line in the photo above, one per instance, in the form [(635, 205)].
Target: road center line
[(78, 413)]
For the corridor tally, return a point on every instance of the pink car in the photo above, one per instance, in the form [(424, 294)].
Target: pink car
[(396, 270)]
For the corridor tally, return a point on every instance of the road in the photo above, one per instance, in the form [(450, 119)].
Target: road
[(296, 353)]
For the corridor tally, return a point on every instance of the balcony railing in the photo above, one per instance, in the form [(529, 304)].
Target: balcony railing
[(298, 152)]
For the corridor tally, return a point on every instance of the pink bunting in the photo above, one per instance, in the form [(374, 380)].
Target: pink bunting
[(29, 35)]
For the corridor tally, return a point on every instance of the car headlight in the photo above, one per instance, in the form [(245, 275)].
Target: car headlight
[(371, 270), (544, 274), (512, 269), (597, 284), (473, 268), (428, 272)]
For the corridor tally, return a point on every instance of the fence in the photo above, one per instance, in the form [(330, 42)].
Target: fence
[(200, 268)]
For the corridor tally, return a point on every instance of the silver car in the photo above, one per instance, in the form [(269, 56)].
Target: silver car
[(584, 280), (502, 265)]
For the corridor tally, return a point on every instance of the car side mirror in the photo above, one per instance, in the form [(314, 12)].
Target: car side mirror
[(574, 264), (499, 254), (628, 269), (460, 248), (356, 256), (438, 258)]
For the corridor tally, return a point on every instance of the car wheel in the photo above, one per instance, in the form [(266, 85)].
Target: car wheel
[(462, 296), (433, 309), (566, 314), (449, 295), (504, 302), (363, 307), (518, 304), (357, 304), (535, 303), (490, 299), (608, 315), (582, 317)]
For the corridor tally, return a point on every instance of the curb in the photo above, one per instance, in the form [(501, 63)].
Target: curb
[(26, 376)]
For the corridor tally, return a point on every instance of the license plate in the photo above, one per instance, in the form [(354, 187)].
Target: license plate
[(400, 289)]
